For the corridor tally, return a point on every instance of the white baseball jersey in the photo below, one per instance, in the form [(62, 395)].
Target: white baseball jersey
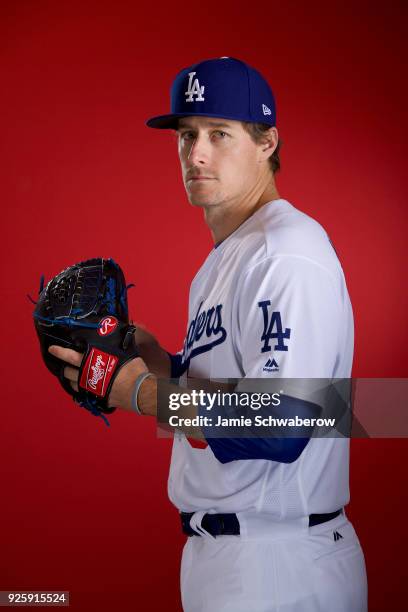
[(269, 301)]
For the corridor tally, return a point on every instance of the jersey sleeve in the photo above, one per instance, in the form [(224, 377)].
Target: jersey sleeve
[(288, 317), (177, 367)]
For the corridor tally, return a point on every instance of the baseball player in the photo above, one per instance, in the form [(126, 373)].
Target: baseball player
[(265, 519)]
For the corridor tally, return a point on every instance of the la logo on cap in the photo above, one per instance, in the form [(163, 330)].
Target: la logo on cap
[(194, 89)]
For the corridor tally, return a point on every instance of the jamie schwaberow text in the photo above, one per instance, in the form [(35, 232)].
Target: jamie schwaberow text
[(258, 421)]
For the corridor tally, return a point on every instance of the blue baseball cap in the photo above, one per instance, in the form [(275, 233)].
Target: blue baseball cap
[(225, 87)]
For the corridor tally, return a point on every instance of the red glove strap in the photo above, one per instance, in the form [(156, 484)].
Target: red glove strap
[(98, 371)]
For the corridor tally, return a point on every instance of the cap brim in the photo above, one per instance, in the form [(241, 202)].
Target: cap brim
[(165, 122), (169, 122)]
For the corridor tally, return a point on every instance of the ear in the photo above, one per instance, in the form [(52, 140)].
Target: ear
[(268, 144)]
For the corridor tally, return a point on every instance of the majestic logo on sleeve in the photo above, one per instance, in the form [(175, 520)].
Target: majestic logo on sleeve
[(272, 329), (271, 366), (194, 89), (206, 324)]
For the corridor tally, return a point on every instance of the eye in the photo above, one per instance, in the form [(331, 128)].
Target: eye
[(186, 136), (221, 134)]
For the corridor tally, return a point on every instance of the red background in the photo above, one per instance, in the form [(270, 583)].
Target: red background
[(84, 507)]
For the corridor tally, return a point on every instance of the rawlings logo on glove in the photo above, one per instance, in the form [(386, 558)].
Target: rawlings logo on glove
[(107, 326), (97, 372)]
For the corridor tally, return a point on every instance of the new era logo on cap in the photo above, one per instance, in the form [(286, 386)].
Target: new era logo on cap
[(266, 110)]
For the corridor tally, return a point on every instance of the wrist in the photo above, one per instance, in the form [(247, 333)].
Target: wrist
[(147, 396)]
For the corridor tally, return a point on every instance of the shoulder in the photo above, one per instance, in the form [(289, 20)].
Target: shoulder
[(280, 231)]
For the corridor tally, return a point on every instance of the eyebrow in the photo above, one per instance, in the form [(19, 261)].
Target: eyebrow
[(183, 124)]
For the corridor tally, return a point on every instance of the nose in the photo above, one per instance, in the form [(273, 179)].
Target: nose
[(198, 154)]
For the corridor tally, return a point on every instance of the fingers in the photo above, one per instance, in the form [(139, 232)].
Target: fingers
[(66, 354), (72, 357), (71, 374)]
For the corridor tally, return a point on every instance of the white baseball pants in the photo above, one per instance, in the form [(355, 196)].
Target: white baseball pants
[(275, 567)]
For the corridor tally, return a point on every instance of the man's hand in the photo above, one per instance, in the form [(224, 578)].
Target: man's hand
[(121, 392)]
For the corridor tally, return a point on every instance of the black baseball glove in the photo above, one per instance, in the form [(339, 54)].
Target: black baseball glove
[(85, 308)]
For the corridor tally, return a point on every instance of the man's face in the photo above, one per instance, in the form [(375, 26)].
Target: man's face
[(220, 162)]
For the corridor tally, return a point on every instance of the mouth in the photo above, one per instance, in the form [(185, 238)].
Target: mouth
[(199, 178)]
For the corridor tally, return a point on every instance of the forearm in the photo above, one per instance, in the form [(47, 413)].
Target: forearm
[(154, 356), (245, 440), (148, 399), (158, 362)]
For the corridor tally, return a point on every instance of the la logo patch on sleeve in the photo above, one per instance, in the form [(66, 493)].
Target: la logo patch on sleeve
[(273, 329)]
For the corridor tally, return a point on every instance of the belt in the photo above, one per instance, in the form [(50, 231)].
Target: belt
[(228, 524)]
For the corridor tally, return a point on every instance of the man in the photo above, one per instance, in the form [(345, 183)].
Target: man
[(265, 516)]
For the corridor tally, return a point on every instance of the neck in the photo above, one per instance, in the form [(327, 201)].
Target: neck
[(225, 218)]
